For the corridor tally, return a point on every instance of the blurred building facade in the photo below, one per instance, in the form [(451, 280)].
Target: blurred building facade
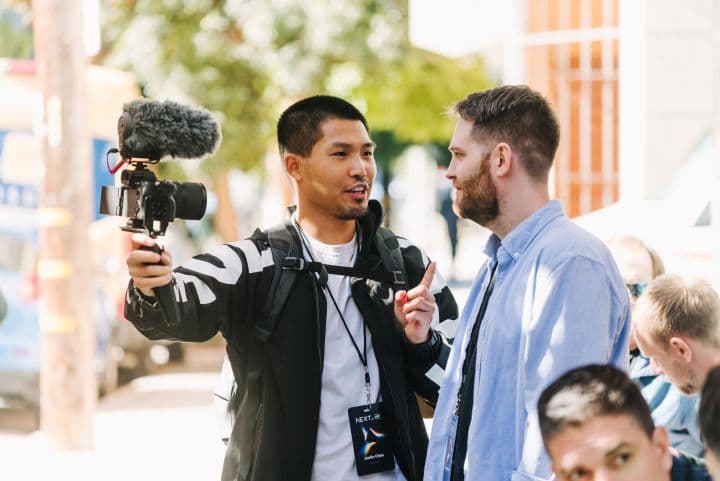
[(571, 55), (636, 86), (635, 83)]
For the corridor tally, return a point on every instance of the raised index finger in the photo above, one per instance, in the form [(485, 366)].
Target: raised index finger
[(428, 276)]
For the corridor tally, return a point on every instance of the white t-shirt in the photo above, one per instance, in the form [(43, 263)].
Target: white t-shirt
[(343, 376)]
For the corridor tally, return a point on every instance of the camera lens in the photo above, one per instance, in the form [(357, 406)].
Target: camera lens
[(190, 200)]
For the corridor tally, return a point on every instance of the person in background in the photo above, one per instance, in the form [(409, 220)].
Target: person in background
[(445, 200), (3, 307), (677, 325), (597, 426), (709, 418), (639, 265)]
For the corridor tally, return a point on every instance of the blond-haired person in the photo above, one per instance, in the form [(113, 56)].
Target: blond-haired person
[(677, 325), (639, 264)]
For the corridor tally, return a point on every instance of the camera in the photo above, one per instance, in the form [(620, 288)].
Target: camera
[(150, 205), (149, 131)]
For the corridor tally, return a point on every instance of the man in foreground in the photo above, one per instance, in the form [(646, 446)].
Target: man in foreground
[(596, 426), (549, 297), (323, 392)]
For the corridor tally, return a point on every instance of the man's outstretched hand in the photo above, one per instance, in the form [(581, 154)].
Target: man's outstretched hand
[(148, 269), (414, 309)]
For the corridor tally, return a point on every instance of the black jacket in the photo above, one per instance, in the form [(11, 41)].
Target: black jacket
[(687, 469), (221, 291)]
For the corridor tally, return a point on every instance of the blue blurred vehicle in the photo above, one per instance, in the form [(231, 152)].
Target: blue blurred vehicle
[(20, 350)]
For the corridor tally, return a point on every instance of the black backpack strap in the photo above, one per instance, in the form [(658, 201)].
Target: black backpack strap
[(388, 247), (300, 264), (288, 261), (284, 243), (247, 362)]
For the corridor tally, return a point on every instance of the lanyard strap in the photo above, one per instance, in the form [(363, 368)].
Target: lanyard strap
[(361, 355), (463, 408), (471, 348)]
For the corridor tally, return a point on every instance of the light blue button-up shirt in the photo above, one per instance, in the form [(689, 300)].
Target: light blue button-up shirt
[(559, 302), (670, 408)]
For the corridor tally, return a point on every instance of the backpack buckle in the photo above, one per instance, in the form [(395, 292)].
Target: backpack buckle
[(293, 263), (398, 277)]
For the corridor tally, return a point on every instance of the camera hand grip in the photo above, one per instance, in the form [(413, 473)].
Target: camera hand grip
[(164, 294)]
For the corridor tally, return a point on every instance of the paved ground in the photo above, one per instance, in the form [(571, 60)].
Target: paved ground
[(157, 427)]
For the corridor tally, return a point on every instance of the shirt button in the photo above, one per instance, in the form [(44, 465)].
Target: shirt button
[(516, 255)]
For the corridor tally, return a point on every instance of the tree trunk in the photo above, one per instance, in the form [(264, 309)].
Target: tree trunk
[(67, 384), (225, 221)]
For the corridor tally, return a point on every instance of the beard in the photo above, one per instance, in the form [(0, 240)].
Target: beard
[(349, 213), (477, 199), (687, 379)]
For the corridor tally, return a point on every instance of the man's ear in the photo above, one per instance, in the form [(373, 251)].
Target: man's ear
[(293, 165), (502, 159), (681, 348), (661, 441)]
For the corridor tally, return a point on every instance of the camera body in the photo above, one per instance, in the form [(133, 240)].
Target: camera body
[(149, 204)]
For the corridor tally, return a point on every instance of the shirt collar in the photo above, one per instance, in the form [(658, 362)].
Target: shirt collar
[(518, 240)]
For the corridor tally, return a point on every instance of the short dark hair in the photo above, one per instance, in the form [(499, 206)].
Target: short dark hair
[(299, 126), (709, 411), (587, 392), (518, 115)]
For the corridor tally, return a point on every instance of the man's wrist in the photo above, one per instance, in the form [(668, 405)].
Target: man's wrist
[(143, 292), (415, 340), (142, 298), (423, 351)]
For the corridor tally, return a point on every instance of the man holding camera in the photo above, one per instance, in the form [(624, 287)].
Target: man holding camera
[(328, 392)]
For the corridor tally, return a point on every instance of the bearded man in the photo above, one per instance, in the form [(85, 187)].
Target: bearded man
[(549, 297)]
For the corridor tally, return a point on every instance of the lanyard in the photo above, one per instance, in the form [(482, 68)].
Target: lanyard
[(468, 368), (361, 355)]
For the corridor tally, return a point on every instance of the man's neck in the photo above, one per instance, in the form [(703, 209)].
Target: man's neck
[(326, 228), (518, 206)]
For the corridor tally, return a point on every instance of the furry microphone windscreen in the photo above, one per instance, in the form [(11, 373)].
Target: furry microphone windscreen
[(153, 130)]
